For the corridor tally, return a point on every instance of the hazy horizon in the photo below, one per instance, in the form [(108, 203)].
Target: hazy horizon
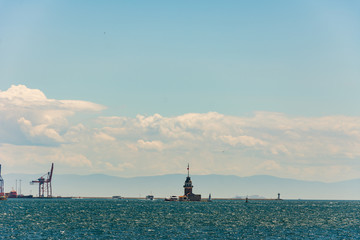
[(219, 186)]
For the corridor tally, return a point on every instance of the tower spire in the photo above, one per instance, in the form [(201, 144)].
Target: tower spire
[(188, 170)]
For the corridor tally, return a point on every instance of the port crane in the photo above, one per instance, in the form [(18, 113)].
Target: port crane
[(45, 184)]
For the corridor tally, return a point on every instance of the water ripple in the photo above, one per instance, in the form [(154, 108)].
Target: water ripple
[(136, 219)]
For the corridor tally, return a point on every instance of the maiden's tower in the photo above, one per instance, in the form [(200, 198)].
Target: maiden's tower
[(188, 194)]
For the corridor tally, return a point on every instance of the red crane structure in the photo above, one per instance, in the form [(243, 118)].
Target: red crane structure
[(45, 184)]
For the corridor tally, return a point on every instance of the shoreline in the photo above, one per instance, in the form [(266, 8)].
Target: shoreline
[(143, 198), (202, 200)]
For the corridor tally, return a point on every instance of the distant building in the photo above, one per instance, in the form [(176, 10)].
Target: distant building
[(188, 194), (12, 194)]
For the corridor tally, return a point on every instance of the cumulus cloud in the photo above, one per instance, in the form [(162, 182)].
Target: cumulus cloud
[(27, 116), (247, 141), (272, 133), (152, 145), (101, 136), (264, 143), (22, 97)]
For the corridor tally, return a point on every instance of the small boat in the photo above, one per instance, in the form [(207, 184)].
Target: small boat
[(149, 197), (116, 197), (209, 199), (3, 197), (172, 199)]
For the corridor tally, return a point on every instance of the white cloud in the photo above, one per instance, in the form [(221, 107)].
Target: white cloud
[(21, 95), (39, 132), (101, 136), (245, 145), (150, 145), (265, 143), (27, 116), (247, 141)]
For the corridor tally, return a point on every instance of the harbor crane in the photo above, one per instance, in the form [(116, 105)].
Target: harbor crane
[(45, 184)]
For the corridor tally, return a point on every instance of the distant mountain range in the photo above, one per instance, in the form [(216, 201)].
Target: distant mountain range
[(220, 186)]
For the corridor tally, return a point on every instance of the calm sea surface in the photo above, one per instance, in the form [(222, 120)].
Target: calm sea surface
[(140, 219)]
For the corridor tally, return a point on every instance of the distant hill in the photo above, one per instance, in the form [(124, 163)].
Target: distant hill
[(220, 186)]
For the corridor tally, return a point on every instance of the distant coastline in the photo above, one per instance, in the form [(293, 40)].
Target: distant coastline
[(220, 186)]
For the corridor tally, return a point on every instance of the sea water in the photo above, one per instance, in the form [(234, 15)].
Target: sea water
[(141, 219)]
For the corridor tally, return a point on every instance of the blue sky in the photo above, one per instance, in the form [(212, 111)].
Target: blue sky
[(185, 65), (236, 57)]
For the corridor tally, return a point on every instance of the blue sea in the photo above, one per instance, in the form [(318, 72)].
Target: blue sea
[(141, 219)]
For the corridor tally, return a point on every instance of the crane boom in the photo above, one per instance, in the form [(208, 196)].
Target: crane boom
[(51, 172)]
